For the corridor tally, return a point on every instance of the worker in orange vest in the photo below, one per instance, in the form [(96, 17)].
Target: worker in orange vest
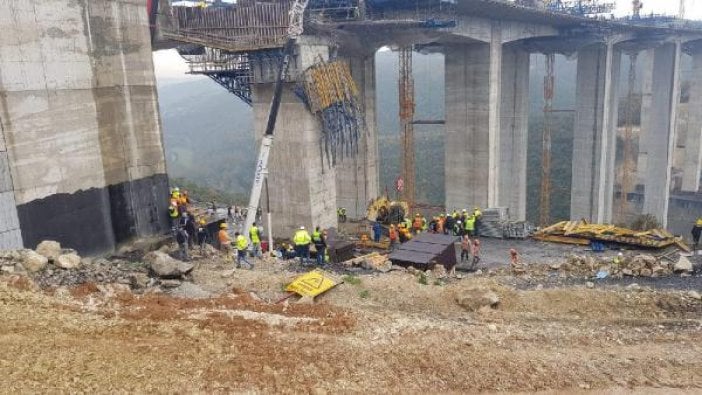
[(225, 242)]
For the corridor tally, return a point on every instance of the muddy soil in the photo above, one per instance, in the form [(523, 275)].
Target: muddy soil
[(393, 332)]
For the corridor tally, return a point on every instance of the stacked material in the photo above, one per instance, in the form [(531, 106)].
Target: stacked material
[(583, 233), (496, 224)]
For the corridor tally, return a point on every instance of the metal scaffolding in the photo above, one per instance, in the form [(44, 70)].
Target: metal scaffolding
[(407, 106)]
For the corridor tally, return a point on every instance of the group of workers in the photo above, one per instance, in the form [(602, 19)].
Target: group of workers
[(456, 223), (302, 241)]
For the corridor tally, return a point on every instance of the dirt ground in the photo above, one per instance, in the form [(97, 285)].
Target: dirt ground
[(386, 332)]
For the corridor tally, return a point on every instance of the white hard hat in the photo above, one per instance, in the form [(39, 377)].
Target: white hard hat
[(302, 228), (620, 254)]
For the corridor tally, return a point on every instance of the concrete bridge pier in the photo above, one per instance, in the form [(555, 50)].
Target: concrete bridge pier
[(693, 139), (514, 126), (302, 191), (659, 103), (594, 137), (357, 177)]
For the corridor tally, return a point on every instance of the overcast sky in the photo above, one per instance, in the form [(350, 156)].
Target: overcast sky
[(169, 66)]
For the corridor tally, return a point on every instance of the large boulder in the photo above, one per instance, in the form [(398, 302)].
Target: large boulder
[(34, 262), (68, 261), (163, 266), (683, 265), (474, 299), (50, 249)]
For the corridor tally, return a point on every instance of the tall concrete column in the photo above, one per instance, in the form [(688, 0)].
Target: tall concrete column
[(302, 190), (472, 94), (594, 140), (80, 123), (357, 177), (10, 234), (514, 124), (661, 95), (693, 140)]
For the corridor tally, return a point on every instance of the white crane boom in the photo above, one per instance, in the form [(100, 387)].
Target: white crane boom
[(295, 29)]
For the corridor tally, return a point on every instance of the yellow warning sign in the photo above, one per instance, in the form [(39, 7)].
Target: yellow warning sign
[(312, 284)]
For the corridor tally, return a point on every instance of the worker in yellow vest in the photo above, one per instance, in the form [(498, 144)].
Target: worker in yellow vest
[(242, 246), (255, 240), (173, 215), (696, 231), (470, 226), (302, 241)]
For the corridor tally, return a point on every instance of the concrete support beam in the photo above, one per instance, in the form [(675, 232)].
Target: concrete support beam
[(494, 103), (467, 144), (302, 191), (514, 125), (693, 140), (594, 140), (661, 95), (357, 179)]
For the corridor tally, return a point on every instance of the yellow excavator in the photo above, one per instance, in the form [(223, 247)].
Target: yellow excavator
[(387, 211)]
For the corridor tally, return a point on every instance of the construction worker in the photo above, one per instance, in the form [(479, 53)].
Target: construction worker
[(469, 226), (440, 224), (458, 228), (393, 237), (478, 215), (202, 235), (302, 242), (455, 215), (255, 237), (696, 232), (377, 231), (475, 250), (320, 244), (464, 215), (514, 257), (182, 239), (242, 246), (432, 224), (448, 224), (225, 242), (425, 225), (189, 226), (466, 245), (417, 224), (173, 215), (341, 214)]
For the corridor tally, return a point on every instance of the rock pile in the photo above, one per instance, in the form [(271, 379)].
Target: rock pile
[(632, 266)]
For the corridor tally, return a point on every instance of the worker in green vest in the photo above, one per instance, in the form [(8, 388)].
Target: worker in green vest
[(242, 246), (173, 214), (470, 225), (302, 242), (255, 240)]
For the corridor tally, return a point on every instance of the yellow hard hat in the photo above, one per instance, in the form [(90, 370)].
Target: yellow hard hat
[(223, 226), (202, 222)]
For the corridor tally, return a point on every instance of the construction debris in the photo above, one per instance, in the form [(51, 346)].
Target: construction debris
[(496, 224), (583, 233), (312, 284), (332, 95)]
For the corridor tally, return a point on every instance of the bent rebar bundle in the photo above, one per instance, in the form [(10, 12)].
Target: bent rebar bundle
[(332, 95)]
